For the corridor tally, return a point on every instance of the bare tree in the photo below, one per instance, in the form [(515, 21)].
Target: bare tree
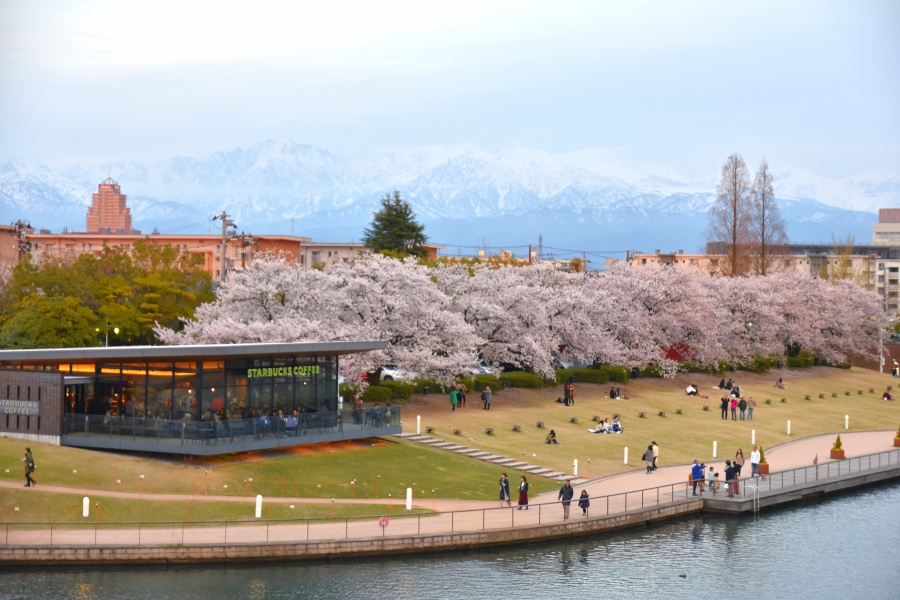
[(768, 237), (729, 217), (840, 265)]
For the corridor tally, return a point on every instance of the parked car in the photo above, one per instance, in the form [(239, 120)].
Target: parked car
[(481, 368), (392, 372)]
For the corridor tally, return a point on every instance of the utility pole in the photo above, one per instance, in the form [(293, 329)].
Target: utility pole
[(23, 228), (225, 225)]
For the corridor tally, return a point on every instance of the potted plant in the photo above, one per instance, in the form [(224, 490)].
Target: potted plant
[(763, 465), (837, 452), (897, 438)]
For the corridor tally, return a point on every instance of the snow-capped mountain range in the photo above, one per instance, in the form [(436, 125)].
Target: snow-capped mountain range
[(465, 196)]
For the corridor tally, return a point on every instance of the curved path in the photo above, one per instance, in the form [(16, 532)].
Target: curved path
[(790, 455)]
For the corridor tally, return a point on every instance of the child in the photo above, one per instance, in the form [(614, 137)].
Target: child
[(711, 479), (584, 502), (715, 484)]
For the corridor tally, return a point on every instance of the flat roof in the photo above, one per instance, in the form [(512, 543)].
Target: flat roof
[(187, 352)]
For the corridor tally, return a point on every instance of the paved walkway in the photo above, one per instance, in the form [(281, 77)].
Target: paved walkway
[(791, 455)]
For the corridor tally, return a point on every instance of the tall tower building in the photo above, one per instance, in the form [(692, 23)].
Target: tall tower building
[(108, 213)]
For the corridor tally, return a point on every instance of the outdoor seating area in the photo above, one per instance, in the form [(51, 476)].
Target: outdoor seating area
[(145, 432)]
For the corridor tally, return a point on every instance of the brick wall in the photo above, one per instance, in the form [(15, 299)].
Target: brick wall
[(30, 392)]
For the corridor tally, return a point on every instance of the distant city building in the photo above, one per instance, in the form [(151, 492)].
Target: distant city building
[(886, 232), (109, 225), (875, 266), (108, 212)]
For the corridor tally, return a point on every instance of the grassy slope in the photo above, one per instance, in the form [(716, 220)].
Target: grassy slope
[(681, 438), (326, 472)]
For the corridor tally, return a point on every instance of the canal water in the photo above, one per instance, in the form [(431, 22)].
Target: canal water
[(843, 547)]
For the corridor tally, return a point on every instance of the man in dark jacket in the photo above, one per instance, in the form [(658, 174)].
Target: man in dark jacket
[(566, 493), (729, 478)]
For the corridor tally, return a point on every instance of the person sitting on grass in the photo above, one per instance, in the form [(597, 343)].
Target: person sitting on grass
[(887, 395), (780, 383), (691, 390), (616, 427), (613, 394), (551, 438)]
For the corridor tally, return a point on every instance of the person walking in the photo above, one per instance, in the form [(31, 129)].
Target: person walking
[(584, 502), (754, 462), (655, 454), (29, 468), (571, 388), (486, 397), (461, 396), (751, 404), (523, 493), (724, 402), (566, 493), (454, 399), (648, 458), (504, 490)]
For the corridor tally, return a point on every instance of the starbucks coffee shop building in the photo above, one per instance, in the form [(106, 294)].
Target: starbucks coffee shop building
[(191, 400)]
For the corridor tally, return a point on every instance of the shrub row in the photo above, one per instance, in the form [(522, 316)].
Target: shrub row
[(522, 379)]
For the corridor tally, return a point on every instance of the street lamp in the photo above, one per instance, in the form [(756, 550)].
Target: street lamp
[(115, 331)]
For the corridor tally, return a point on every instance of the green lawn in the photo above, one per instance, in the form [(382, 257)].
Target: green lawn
[(327, 471), (681, 438), (36, 507)]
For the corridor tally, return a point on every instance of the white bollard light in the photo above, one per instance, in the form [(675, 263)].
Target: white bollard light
[(258, 506), (789, 427), (715, 448), (408, 498), (418, 424), (846, 421), (86, 507), (752, 436), (626, 455), (575, 467)]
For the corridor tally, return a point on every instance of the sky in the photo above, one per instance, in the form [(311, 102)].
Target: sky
[(676, 85)]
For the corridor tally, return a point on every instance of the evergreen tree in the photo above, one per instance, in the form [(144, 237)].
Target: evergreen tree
[(394, 228)]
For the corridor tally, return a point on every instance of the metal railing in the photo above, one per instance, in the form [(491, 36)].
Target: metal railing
[(226, 431), (399, 523)]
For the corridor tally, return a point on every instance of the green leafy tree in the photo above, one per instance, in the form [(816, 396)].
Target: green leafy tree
[(49, 322), (395, 229), (129, 290)]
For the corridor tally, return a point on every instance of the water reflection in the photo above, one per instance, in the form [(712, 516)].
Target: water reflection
[(843, 547)]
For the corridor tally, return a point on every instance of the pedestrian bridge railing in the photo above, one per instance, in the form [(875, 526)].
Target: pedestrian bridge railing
[(395, 521)]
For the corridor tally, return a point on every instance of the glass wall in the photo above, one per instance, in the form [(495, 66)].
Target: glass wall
[(211, 390)]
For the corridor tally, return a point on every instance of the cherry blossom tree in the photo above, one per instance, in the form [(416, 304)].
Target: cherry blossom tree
[(373, 298), (439, 320)]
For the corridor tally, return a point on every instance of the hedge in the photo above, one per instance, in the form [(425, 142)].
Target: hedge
[(482, 381), (377, 393), (582, 375), (799, 362), (521, 379), (617, 374), (651, 370), (400, 390)]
